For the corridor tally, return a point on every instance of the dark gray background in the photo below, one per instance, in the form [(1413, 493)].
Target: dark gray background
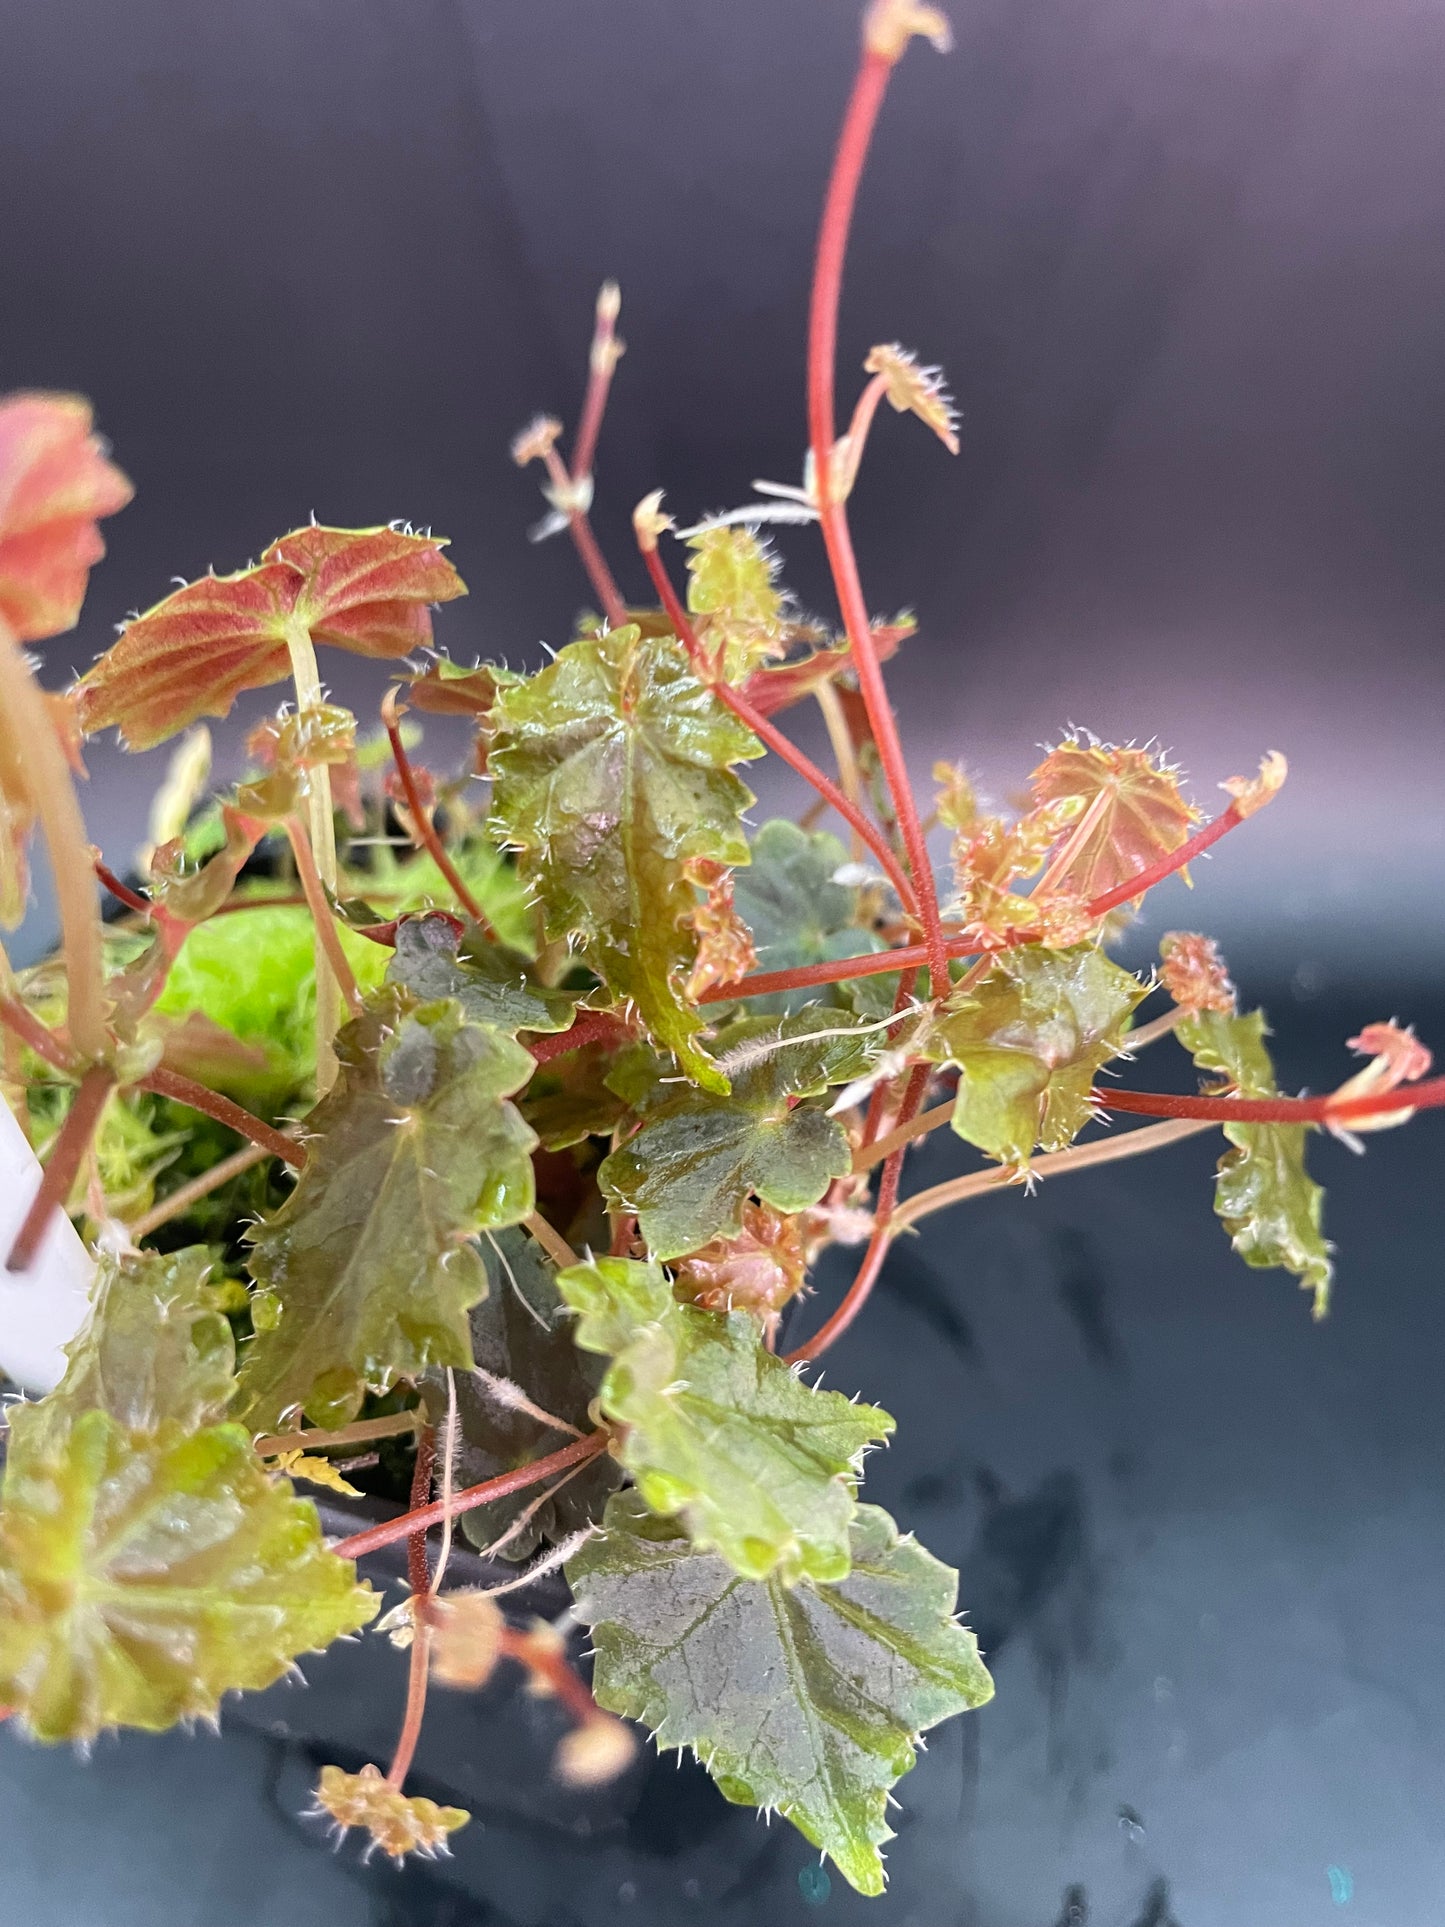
[(1184, 263)]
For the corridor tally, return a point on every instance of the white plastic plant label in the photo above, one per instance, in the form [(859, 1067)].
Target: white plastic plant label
[(43, 1307)]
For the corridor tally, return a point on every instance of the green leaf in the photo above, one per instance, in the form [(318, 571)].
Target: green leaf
[(732, 587), (692, 1167), (1029, 1041), (798, 915), (522, 1335), (252, 972), (1264, 1197), (143, 1575), (808, 1698), (569, 1098), (491, 983), (610, 772), (719, 1431), (154, 1348), (367, 1271)]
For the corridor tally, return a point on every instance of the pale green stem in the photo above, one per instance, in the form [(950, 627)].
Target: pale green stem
[(307, 678), (25, 718)]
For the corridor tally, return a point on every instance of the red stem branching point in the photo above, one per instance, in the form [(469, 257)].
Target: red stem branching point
[(768, 733), (424, 1517)]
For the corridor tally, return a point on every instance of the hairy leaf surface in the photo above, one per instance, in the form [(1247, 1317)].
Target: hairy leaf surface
[(154, 1348), (732, 587), (368, 1269), (692, 1167), (798, 915), (522, 1338), (491, 983), (192, 654), (808, 1698), (1028, 1042), (1132, 812), (1264, 1197), (145, 1574), (610, 772), (719, 1431)]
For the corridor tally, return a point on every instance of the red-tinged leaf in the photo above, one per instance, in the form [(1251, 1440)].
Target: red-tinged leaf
[(190, 656), (55, 485), (1193, 972), (778, 685), (1132, 813), (366, 590), (1251, 793), (1400, 1051)]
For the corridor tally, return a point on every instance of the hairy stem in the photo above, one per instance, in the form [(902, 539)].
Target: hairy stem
[(871, 84), (185, 1090), (588, 1027), (1081, 1157), (37, 750), (322, 915), (1328, 1109), (307, 678), (71, 1144), (859, 1292), (773, 737), (423, 1517), (551, 1241), (420, 1580)]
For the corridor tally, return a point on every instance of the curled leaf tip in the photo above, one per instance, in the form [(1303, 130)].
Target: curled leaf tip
[(1193, 972), (649, 522), (915, 390), (56, 483), (1251, 793), (889, 25), (397, 1825), (536, 441)]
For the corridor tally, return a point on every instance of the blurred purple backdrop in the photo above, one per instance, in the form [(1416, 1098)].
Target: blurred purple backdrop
[(1184, 264)]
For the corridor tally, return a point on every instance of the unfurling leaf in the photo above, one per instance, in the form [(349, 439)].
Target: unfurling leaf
[(368, 1269), (777, 685), (145, 1574), (314, 1470), (154, 1348), (492, 984), (691, 1168), (989, 854), (1132, 813), (758, 1269), (1251, 793), (55, 485), (809, 1698), (610, 772), (1193, 972), (732, 588), (1028, 1041), (397, 1824), (364, 590), (725, 952), (522, 1338), (798, 915), (1263, 1195), (915, 390), (718, 1430)]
